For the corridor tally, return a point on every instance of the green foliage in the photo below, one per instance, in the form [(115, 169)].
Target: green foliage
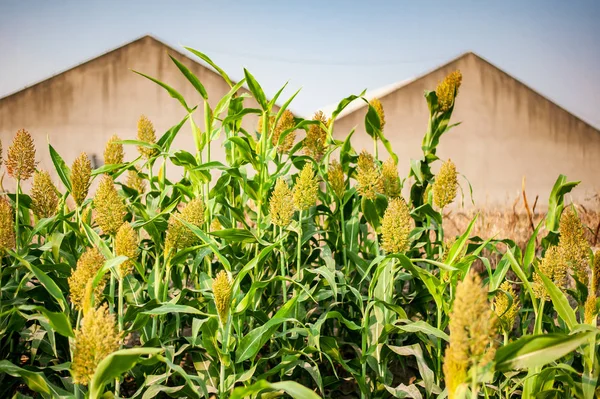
[(316, 308)]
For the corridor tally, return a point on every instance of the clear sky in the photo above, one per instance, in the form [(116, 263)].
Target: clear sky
[(329, 48)]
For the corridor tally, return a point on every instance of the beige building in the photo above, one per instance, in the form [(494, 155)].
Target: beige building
[(507, 131), (81, 108)]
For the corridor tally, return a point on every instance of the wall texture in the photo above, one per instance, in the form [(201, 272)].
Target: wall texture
[(507, 131), (78, 110)]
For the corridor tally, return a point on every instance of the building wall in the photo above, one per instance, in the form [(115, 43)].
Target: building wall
[(81, 108), (507, 131)]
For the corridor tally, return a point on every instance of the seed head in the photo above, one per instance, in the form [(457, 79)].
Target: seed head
[(110, 208), (368, 176), (97, 338), (445, 185), (555, 268), (20, 159), (44, 200), (396, 227), (590, 312), (178, 235), (113, 153), (126, 244), (573, 244), (285, 122), (472, 331), (147, 134), (391, 180), (336, 178), (315, 142), (375, 103), (306, 189), (281, 204), (222, 293), (447, 91), (87, 267), (135, 181), (0, 152), (81, 173), (506, 314), (7, 226), (215, 225)]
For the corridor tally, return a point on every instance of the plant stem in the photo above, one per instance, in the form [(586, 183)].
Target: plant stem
[(17, 216), (283, 274), (299, 247)]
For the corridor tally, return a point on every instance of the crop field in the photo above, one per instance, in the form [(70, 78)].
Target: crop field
[(294, 268)]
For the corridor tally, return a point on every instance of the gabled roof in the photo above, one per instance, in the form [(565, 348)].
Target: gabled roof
[(391, 88)]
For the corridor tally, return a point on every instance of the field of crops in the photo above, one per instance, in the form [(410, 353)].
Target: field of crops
[(295, 268)]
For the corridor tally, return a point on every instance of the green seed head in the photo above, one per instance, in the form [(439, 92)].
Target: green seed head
[(222, 293), (315, 142), (126, 244), (147, 134), (7, 226), (445, 185), (396, 227), (336, 179), (368, 176), (306, 189), (87, 267), (281, 204), (391, 180)]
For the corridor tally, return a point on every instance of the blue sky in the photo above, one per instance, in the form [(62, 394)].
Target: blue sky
[(329, 48)]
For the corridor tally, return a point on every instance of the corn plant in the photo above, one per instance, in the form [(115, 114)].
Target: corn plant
[(299, 266)]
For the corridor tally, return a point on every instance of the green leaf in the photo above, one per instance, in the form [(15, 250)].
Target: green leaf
[(292, 388), (47, 282), (235, 235), (538, 350), (210, 62), (521, 274), (256, 90), (114, 365), (35, 381), (556, 201), (424, 327), (172, 308), (251, 343), (63, 171), (424, 370), (172, 92), (193, 79), (560, 301)]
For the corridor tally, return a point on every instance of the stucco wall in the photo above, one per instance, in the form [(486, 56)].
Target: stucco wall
[(508, 131), (80, 109)]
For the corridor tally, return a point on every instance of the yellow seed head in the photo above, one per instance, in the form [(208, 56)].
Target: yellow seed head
[(7, 226), (368, 176), (87, 267), (555, 268), (391, 180), (447, 91), (473, 328), (375, 103), (81, 173), (20, 159), (336, 179), (222, 293), (590, 312), (573, 244), (147, 134), (110, 208), (97, 338), (285, 122), (178, 235), (306, 189), (445, 185), (281, 204), (44, 200), (506, 314), (216, 225), (126, 244), (315, 142), (396, 227), (113, 153), (135, 181)]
